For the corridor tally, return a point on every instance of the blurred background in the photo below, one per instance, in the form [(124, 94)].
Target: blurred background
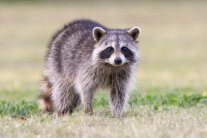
[(173, 43)]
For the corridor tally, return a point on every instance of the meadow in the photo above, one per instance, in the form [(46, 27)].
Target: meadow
[(169, 98)]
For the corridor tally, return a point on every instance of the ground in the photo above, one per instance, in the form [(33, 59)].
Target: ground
[(169, 98)]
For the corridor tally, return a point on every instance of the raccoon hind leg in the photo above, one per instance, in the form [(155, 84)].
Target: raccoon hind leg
[(45, 100), (73, 101), (65, 98)]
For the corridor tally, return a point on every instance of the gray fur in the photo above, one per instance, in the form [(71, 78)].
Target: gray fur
[(74, 69)]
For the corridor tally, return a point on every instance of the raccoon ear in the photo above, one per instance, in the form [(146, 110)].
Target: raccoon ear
[(98, 33), (134, 33)]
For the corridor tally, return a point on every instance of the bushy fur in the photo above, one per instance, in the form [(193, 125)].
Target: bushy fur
[(74, 67)]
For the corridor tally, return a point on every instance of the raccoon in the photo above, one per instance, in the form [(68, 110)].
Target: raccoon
[(84, 56)]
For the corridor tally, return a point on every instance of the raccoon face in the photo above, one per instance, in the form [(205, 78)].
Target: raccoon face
[(115, 46)]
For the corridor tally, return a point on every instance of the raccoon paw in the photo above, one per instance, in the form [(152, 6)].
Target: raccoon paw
[(61, 113), (88, 109)]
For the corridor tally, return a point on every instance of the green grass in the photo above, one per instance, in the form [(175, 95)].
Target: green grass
[(22, 109), (161, 102), (169, 98)]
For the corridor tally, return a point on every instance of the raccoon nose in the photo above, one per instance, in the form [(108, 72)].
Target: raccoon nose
[(117, 60)]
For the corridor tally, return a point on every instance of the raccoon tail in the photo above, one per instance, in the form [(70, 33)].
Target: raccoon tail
[(45, 101)]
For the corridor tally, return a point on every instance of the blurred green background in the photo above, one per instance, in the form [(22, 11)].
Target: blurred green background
[(173, 43)]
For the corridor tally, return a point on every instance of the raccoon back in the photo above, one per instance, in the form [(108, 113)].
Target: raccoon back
[(71, 46)]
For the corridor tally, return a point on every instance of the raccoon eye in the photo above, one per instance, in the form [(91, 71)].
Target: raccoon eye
[(124, 49), (127, 53), (110, 49), (106, 53)]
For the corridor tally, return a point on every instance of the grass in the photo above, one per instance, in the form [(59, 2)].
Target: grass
[(140, 122), (169, 115), (23, 109), (169, 98), (163, 102)]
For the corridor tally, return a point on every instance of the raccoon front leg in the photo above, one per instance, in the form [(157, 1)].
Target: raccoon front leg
[(87, 99), (85, 85), (118, 99), (87, 93)]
